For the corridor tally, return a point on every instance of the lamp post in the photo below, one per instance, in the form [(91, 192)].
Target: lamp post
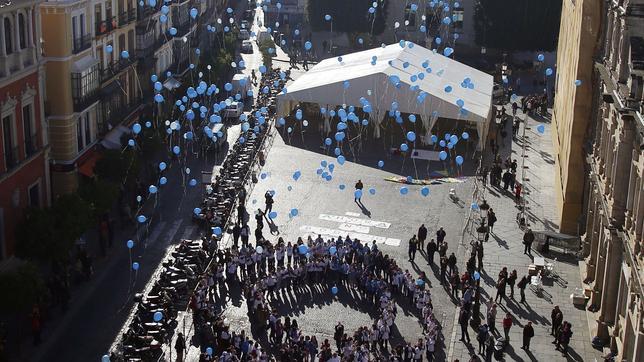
[(328, 18)]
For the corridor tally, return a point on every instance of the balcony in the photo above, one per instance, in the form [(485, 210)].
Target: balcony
[(81, 43), (119, 115), (10, 159), (146, 47), (17, 61), (105, 26), (81, 103), (127, 17), (115, 68)]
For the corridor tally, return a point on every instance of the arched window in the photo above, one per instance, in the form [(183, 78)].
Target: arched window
[(22, 31), (8, 36)]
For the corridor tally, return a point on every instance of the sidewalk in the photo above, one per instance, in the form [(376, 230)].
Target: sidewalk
[(505, 248)]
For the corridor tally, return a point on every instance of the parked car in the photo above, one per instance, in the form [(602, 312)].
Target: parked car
[(244, 34), (234, 110), (247, 47), (219, 130)]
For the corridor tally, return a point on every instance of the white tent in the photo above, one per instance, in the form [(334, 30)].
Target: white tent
[(373, 74)]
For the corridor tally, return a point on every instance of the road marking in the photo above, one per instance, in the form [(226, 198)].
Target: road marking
[(315, 230), (156, 232), (354, 214), (355, 228), (188, 232), (173, 231), (355, 220)]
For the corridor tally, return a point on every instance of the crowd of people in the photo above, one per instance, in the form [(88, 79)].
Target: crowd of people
[(333, 264)]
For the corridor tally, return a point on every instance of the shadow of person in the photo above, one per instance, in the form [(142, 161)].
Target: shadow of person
[(272, 227), (363, 208)]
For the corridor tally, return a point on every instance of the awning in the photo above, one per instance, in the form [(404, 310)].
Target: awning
[(84, 64), (87, 167), (112, 140)]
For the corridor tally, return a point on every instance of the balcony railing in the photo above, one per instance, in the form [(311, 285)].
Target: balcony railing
[(105, 26), (150, 46), (81, 103), (119, 115), (10, 158), (81, 43), (127, 17), (114, 68), (31, 145)]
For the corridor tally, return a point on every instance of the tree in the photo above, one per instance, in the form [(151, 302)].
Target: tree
[(520, 25), (21, 288), (117, 166), (49, 234), (99, 194), (348, 16)]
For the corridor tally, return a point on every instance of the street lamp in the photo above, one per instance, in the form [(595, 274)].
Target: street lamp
[(328, 18)]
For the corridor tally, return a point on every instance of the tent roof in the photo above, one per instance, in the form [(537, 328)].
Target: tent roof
[(324, 83)]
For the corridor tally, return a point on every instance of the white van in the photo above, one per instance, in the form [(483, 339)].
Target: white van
[(234, 110), (262, 35), (241, 84)]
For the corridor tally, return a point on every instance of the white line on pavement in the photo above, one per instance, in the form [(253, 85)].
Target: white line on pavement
[(355, 220), (315, 231), (354, 214), (355, 228)]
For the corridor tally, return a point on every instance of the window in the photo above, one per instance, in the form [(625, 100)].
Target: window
[(79, 135), (108, 10), (86, 83), (22, 29), (457, 18), (34, 194), (8, 43), (98, 12), (410, 17), (74, 28), (10, 151), (81, 24), (87, 128), (29, 130)]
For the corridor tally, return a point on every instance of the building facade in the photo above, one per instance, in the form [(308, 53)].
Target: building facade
[(578, 44), (613, 241), (24, 172), (90, 52)]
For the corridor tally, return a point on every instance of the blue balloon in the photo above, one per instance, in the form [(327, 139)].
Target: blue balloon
[(541, 129), (341, 186), (130, 244), (294, 212), (541, 57), (141, 218), (334, 290), (328, 141), (404, 147), (548, 71), (459, 160), (333, 250), (125, 54), (465, 135), (194, 12), (152, 189), (327, 17), (411, 136), (381, 163), (105, 358), (308, 45), (163, 180), (216, 230), (209, 351), (404, 190), (372, 191), (158, 316), (197, 211), (176, 150), (357, 194), (130, 142), (192, 182), (424, 191), (162, 166), (135, 266), (136, 128), (341, 160), (296, 175), (303, 249), (474, 206), (272, 214), (442, 155)]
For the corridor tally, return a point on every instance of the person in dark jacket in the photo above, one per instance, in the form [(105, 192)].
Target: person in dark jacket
[(528, 239), (422, 235), (431, 250), (528, 333)]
